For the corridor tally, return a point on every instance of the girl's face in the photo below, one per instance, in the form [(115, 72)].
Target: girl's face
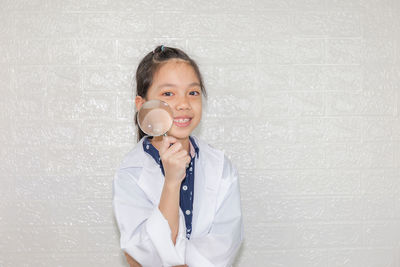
[(177, 84)]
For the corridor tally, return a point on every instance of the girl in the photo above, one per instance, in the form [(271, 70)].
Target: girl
[(176, 199)]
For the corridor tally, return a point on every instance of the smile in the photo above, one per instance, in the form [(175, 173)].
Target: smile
[(182, 122)]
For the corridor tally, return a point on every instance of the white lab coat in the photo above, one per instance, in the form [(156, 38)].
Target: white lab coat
[(217, 228)]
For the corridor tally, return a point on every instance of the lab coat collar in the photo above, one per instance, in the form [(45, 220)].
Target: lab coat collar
[(207, 178), (208, 175), (151, 179)]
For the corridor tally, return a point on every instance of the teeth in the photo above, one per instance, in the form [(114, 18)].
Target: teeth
[(181, 120)]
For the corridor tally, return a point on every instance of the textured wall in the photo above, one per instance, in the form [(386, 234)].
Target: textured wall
[(303, 96)]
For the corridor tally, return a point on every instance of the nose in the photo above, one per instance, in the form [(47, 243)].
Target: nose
[(183, 103)]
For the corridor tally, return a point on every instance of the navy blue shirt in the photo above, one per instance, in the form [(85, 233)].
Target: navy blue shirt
[(187, 185)]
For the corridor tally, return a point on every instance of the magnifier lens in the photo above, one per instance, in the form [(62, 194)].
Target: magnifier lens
[(155, 118)]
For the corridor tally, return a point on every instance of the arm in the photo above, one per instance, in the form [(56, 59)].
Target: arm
[(169, 207), (145, 233), (220, 245), (174, 160), (148, 232)]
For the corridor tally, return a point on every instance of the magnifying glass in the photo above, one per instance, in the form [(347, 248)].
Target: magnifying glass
[(155, 118)]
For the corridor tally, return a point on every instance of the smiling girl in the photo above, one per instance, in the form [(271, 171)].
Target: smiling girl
[(176, 199)]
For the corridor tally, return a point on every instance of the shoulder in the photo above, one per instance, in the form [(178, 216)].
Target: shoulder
[(134, 158), (129, 169), (217, 157), (229, 171), (207, 149)]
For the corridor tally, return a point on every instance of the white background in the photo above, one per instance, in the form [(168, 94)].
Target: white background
[(303, 97)]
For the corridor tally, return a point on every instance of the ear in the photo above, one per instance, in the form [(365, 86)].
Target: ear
[(139, 102)]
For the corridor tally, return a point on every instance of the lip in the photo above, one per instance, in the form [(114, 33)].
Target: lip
[(182, 117)]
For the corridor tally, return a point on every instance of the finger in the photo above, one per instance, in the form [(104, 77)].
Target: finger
[(181, 158), (181, 154), (166, 142), (187, 160), (172, 150)]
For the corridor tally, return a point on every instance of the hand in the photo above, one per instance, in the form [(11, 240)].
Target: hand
[(174, 159), (131, 261)]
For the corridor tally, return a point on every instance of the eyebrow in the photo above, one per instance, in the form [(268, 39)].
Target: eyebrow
[(174, 85)]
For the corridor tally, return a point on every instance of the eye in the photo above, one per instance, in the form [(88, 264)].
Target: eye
[(167, 94), (194, 93)]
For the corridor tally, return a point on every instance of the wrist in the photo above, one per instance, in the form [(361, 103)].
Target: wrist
[(172, 185)]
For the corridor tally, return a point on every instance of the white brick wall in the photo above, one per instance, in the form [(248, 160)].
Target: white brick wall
[(303, 97)]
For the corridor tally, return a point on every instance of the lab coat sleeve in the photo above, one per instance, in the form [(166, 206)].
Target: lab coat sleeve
[(219, 247), (145, 233)]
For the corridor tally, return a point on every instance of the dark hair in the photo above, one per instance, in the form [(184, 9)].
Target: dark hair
[(149, 66)]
